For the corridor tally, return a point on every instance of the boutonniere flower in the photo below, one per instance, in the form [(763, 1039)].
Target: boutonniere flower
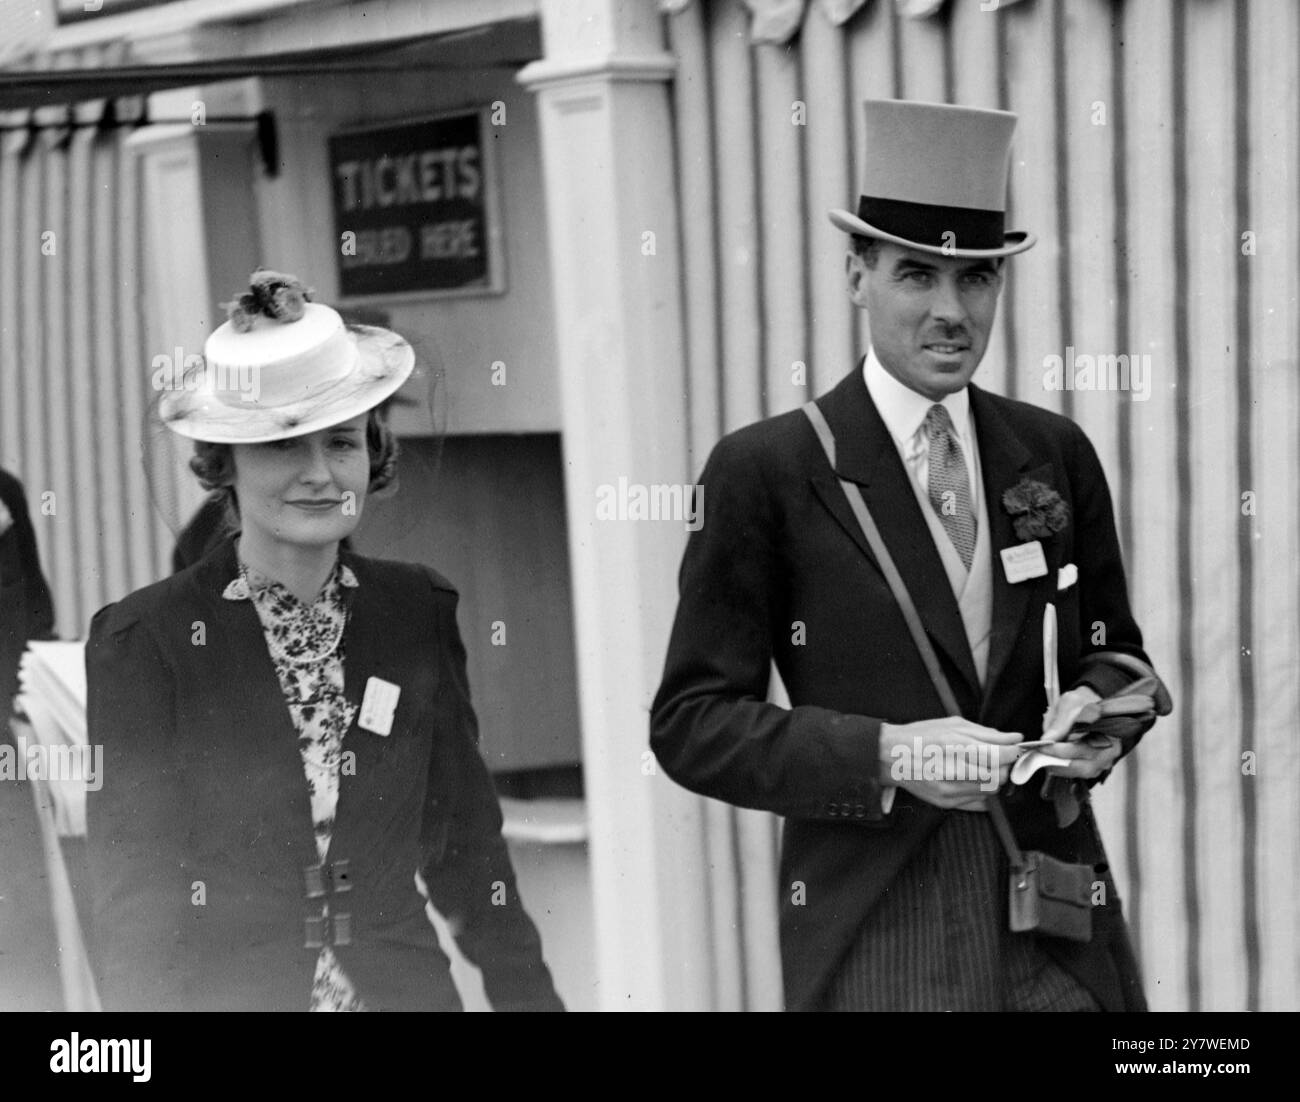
[(6, 518), (1036, 510)]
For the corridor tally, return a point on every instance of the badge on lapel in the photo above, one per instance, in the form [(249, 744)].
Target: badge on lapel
[(378, 706), (1037, 513), (1023, 561)]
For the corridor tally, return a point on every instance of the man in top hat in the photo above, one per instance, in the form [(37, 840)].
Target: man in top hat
[(894, 871)]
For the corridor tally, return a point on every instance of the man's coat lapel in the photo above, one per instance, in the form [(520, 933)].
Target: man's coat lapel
[(1005, 461), (865, 454)]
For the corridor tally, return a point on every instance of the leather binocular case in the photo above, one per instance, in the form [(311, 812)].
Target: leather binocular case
[(1052, 898)]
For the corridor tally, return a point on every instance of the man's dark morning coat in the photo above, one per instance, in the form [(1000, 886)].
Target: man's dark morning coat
[(780, 570)]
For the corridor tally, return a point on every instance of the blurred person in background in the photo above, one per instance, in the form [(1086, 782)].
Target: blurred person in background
[(26, 608), (29, 978)]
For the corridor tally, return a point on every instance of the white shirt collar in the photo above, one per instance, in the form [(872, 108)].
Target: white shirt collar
[(903, 410)]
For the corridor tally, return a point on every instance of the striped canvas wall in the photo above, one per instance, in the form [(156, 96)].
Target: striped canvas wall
[(1157, 159), (73, 367)]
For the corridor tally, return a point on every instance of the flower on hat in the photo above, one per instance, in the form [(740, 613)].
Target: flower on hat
[(1037, 510), (274, 295)]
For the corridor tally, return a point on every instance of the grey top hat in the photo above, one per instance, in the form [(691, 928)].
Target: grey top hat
[(936, 180)]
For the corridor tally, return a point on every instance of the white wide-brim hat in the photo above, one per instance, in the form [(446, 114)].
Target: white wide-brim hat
[(265, 377), (936, 180)]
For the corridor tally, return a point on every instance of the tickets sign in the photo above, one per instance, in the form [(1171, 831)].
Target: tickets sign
[(414, 208)]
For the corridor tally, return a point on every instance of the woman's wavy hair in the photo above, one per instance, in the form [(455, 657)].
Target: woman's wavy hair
[(214, 464)]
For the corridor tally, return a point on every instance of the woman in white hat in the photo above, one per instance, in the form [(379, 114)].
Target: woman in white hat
[(291, 763)]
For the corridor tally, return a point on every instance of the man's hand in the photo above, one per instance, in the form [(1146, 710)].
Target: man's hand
[(949, 762), (1060, 717), (1083, 758)]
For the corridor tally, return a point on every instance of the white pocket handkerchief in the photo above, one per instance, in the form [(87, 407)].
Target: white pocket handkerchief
[(1066, 576), (1030, 763)]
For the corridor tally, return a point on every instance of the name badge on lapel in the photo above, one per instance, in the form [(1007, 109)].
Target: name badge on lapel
[(378, 706), (1024, 561)]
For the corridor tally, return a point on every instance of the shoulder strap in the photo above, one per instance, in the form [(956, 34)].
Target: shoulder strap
[(858, 504)]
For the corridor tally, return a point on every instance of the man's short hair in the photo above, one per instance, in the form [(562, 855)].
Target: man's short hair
[(868, 248)]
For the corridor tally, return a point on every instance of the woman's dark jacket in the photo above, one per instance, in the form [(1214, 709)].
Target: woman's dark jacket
[(204, 870)]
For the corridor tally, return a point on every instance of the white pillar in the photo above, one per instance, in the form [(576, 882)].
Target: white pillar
[(607, 158), (201, 240)]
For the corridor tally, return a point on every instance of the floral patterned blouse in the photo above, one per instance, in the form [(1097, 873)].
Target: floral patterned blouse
[(306, 648)]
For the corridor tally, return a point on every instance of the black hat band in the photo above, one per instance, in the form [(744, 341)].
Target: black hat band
[(927, 224)]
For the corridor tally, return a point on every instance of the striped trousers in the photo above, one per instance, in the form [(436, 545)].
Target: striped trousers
[(938, 939)]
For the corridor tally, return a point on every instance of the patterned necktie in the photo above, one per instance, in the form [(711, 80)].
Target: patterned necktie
[(950, 484)]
